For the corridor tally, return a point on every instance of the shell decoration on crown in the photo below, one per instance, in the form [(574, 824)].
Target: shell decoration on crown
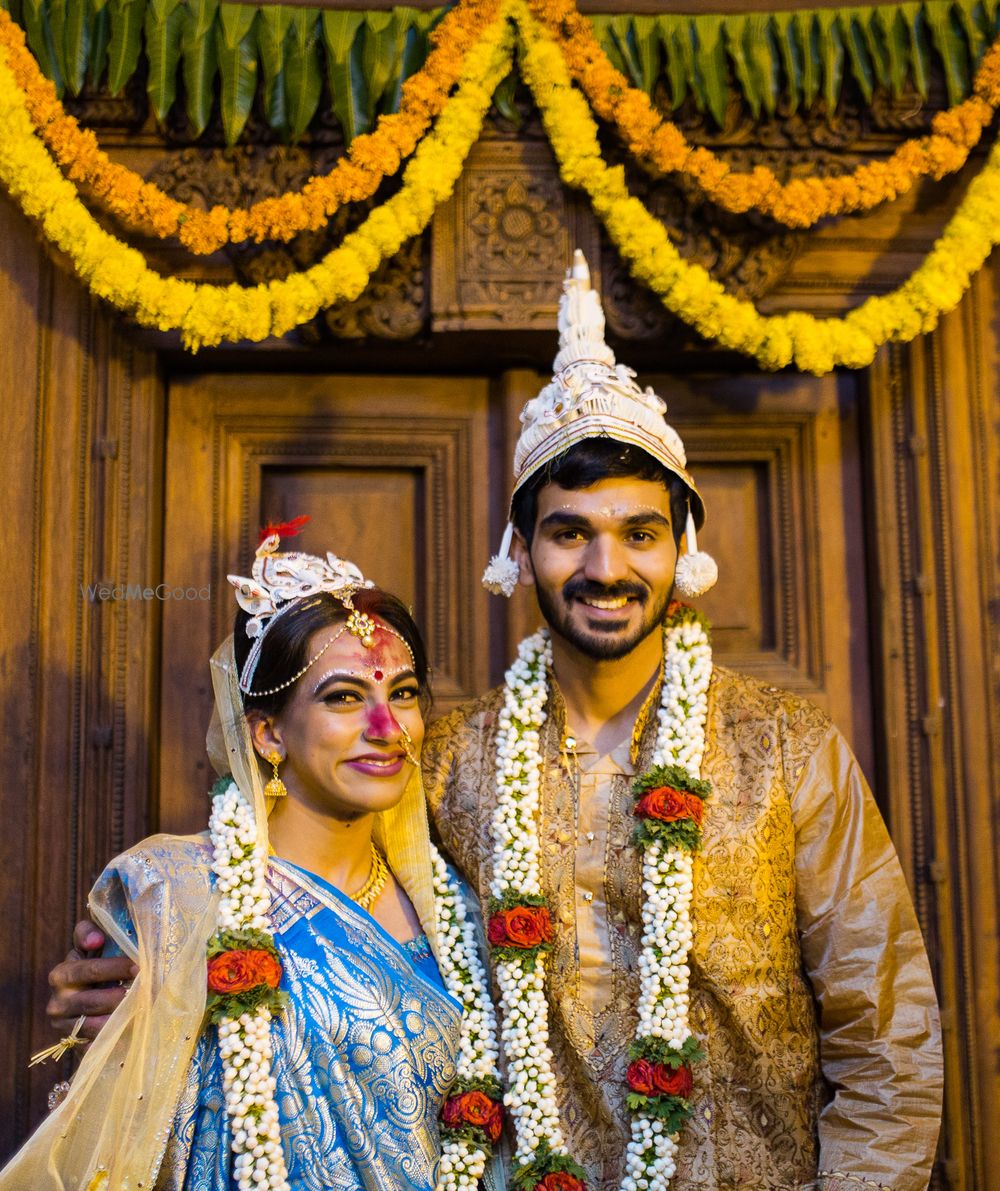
[(587, 383), (277, 579)]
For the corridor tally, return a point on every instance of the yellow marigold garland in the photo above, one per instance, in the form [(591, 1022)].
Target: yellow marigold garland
[(687, 290), (208, 314), (800, 202), (143, 206)]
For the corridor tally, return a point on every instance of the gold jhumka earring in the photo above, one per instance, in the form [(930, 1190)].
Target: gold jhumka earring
[(275, 788)]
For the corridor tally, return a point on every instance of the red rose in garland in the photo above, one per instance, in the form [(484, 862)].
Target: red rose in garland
[(474, 1108), (640, 1077), (239, 971), (522, 926), (669, 805), (672, 1081), (559, 1180)]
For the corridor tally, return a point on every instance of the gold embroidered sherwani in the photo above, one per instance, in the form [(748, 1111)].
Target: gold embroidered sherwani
[(810, 989)]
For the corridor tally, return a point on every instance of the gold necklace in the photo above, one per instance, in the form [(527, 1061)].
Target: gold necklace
[(370, 891)]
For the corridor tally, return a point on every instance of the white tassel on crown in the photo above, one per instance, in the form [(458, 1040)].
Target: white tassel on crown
[(591, 396), (696, 571)]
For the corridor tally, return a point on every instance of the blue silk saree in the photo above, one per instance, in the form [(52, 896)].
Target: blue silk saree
[(363, 1055)]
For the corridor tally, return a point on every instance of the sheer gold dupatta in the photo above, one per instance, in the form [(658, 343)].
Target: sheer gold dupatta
[(110, 1132)]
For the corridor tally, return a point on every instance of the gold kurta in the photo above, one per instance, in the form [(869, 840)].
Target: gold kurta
[(810, 989)]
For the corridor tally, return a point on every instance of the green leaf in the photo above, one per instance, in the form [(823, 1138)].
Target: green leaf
[(345, 71), (503, 99), (39, 34), (762, 58), (272, 32), (897, 46), (913, 18), (736, 31), (99, 42), (163, 25), (647, 48), (401, 68), (857, 52), (620, 27), (832, 49), (126, 41), (380, 47), (303, 78), (667, 26), (237, 52), (609, 43), (712, 64), (791, 59), (804, 24), (677, 777), (200, 61), (57, 28), (865, 18), (951, 46), (76, 44), (975, 35)]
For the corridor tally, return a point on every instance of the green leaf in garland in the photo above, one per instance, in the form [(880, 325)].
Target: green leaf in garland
[(303, 78), (503, 99), (414, 54), (832, 47), (762, 58), (163, 25), (897, 46), (913, 19), (736, 33), (669, 28), (865, 18), (402, 26), (76, 44), (380, 44), (39, 34), (126, 41), (200, 62), (99, 41), (273, 24), (788, 49), (608, 42), (951, 46), (804, 24), (647, 48), (57, 29), (712, 64), (857, 52), (345, 73), (972, 18), (237, 50), (620, 28)]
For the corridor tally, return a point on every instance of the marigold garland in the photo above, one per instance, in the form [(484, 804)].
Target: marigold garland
[(143, 206), (687, 290), (208, 314), (800, 202)]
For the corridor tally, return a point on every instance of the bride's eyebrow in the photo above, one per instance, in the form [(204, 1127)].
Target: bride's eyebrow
[(339, 676)]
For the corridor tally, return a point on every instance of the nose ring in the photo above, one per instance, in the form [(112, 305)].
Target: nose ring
[(411, 752)]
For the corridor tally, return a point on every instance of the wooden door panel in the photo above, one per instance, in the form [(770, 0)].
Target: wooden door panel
[(393, 472)]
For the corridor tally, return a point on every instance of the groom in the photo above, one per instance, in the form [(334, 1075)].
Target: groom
[(806, 985)]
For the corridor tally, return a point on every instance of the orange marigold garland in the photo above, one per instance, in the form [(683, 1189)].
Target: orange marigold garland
[(800, 202), (143, 206)]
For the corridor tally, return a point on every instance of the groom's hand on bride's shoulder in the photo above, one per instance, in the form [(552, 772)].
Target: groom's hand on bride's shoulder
[(87, 984)]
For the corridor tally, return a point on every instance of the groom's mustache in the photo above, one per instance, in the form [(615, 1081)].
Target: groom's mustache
[(587, 589)]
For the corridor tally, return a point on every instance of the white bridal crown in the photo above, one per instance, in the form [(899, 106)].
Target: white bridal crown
[(591, 396), (278, 580)]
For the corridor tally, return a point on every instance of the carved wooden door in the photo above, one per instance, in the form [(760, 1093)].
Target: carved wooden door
[(409, 477)]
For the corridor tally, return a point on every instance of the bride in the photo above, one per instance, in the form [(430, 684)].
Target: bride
[(311, 1011)]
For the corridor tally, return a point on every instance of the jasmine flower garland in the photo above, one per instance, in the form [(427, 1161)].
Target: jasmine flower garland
[(670, 806), (244, 971)]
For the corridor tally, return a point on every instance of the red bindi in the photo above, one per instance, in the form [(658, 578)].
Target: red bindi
[(379, 676)]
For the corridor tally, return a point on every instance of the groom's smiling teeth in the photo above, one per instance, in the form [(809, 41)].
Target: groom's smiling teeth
[(607, 605)]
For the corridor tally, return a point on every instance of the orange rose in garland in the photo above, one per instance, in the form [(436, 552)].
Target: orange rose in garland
[(243, 972), (239, 971), (670, 806), (521, 928), (474, 1109)]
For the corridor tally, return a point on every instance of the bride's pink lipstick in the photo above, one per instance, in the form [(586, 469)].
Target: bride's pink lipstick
[(378, 764)]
